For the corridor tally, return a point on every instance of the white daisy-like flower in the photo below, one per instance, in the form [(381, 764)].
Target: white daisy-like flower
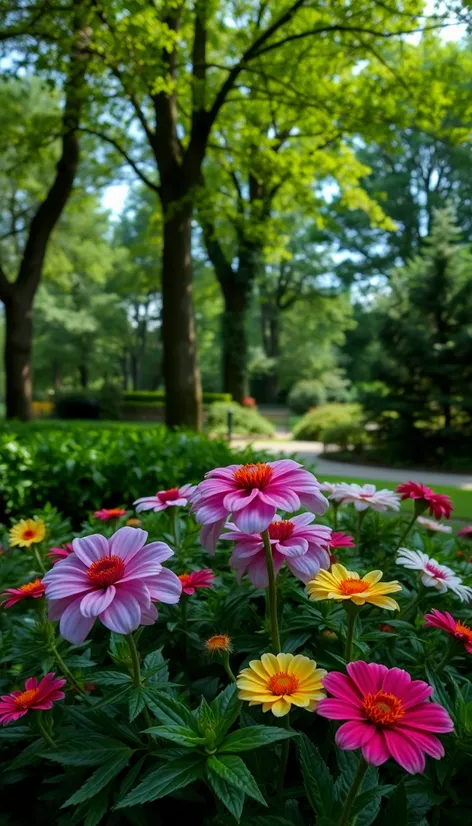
[(432, 525), (367, 496), (331, 489), (433, 574)]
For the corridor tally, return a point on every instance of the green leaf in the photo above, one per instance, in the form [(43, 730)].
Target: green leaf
[(99, 779), (182, 735), (165, 779), (97, 808), (440, 694), (30, 754), (111, 678), (253, 737), (318, 782), (206, 716), (234, 771), (231, 796), (155, 664), (364, 798), (88, 751), (168, 710), (130, 777), (396, 812), (226, 707), (136, 703)]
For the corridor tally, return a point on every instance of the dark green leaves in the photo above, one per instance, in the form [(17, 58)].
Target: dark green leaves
[(166, 779), (181, 735), (88, 751), (231, 796), (317, 779), (232, 769), (99, 779), (253, 737)]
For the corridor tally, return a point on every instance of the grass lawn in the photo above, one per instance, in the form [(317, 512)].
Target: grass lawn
[(462, 499)]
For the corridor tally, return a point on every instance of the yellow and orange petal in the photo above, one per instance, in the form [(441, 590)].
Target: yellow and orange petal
[(217, 643), (133, 522), (27, 532), (279, 681), (341, 584)]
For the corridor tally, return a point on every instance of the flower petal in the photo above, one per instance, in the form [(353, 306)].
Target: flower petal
[(255, 517), (375, 750), (123, 615), (95, 602), (126, 542), (167, 588), (404, 750), (342, 688), (354, 734), (90, 548), (367, 676), (73, 626), (339, 710)]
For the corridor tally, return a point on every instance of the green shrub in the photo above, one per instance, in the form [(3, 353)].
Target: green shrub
[(305, 394), (341, 424), (81, 466), (246, 420), (160, 396)]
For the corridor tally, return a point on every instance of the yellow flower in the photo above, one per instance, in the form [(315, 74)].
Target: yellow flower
[(278, 681), (341, 584), (220, 642), (27, 532)]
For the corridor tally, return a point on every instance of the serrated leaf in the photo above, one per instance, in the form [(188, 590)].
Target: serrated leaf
[(364, 798), (165, 779), (88, 751), (226, 707), (111, 678), (98, 780), (182, 735), (30, 754), (130, 777), (319, 785), (234, 771), (168, 710), (253, 737), (231, 796), (97, 808), (136, 703)]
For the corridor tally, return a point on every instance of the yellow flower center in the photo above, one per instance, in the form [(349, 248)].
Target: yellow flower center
[(353, 586), (248, 477), (283, 683), (27, 698), (383, 709)]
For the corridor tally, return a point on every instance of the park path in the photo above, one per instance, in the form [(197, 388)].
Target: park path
[(310, 451)]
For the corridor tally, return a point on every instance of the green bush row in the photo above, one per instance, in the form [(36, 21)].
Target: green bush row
[(340, 424), (245, 420), (160, 396)]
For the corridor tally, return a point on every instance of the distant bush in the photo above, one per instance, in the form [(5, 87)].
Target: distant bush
[(306, 394), (341, 424), (155, 396), (246, 420)]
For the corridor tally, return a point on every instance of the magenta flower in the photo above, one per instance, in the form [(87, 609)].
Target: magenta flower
[(298, 543), (174, 497), (116, 580), (461, 632), (196, 579), (252, 493), (32, 590), (106, 514), (465, 532), (36, 697), (341, 540), (60, 553), (388, 715)]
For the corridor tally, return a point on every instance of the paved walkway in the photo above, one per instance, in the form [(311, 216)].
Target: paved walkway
[(310, 452)]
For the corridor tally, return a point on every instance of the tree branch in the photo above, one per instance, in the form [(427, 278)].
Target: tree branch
[(151, 184)]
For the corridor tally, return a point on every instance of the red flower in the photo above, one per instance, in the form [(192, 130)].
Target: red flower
[(105, 514), (196, 579), (386, 628), (60, 553), (249, 401), (36, 696), (341, 540), (438, 503), (33, 589), (465, 532), (462, 633)]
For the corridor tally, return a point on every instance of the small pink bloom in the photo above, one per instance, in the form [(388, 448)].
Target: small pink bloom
[(341, 540), (465, 532), (438, 503), (252, 493), (196, 579), (36, 696), (32, 590), (105, 514), (60, 553), (116, 580), (444, 621), (297, 542), (174, 497), (388, 715)]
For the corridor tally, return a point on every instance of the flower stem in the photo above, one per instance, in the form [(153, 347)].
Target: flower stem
[(407, 530), (360, 519), (227, 666), (44, 734), (352, 793), (449, 652), (136, 673), (335, 515), (66, 671), (271, 592), (39, 560), (351, 623), (284, 755)]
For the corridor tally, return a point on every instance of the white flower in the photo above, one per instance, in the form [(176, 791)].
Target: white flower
[(366, 496), (433, 574), (432, 525), (331, 489)]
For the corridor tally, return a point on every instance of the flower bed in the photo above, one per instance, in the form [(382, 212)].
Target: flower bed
[(317, 672)]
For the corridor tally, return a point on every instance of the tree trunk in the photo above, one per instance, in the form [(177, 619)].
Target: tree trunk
[(83, 375), (18, 338), (270, 338), (180, 366), (234, 339)]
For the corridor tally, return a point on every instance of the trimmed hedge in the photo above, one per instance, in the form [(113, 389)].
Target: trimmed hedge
[(246, 420), (342, 424), (159, 396)]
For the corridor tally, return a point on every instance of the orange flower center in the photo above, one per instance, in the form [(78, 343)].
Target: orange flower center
[(220, 642), (283, 683), (253, 476), (185, 579), (168, 495), (31, 587), (353, 586), (27, 698), (383, 709), (29, 533), (106, 571), (114, 513), (463, 632), (281, 530)]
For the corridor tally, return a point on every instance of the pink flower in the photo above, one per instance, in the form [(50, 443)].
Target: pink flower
[(196, 579), (438, 503), (252, 493), (298, 543), (60, 553), (444, 621), (116, 580), (388, 714), (34, 589), (36, 696), (433, 574), (341, 540), (105, 514), (465, 532), (366, 496), (174, 497)]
